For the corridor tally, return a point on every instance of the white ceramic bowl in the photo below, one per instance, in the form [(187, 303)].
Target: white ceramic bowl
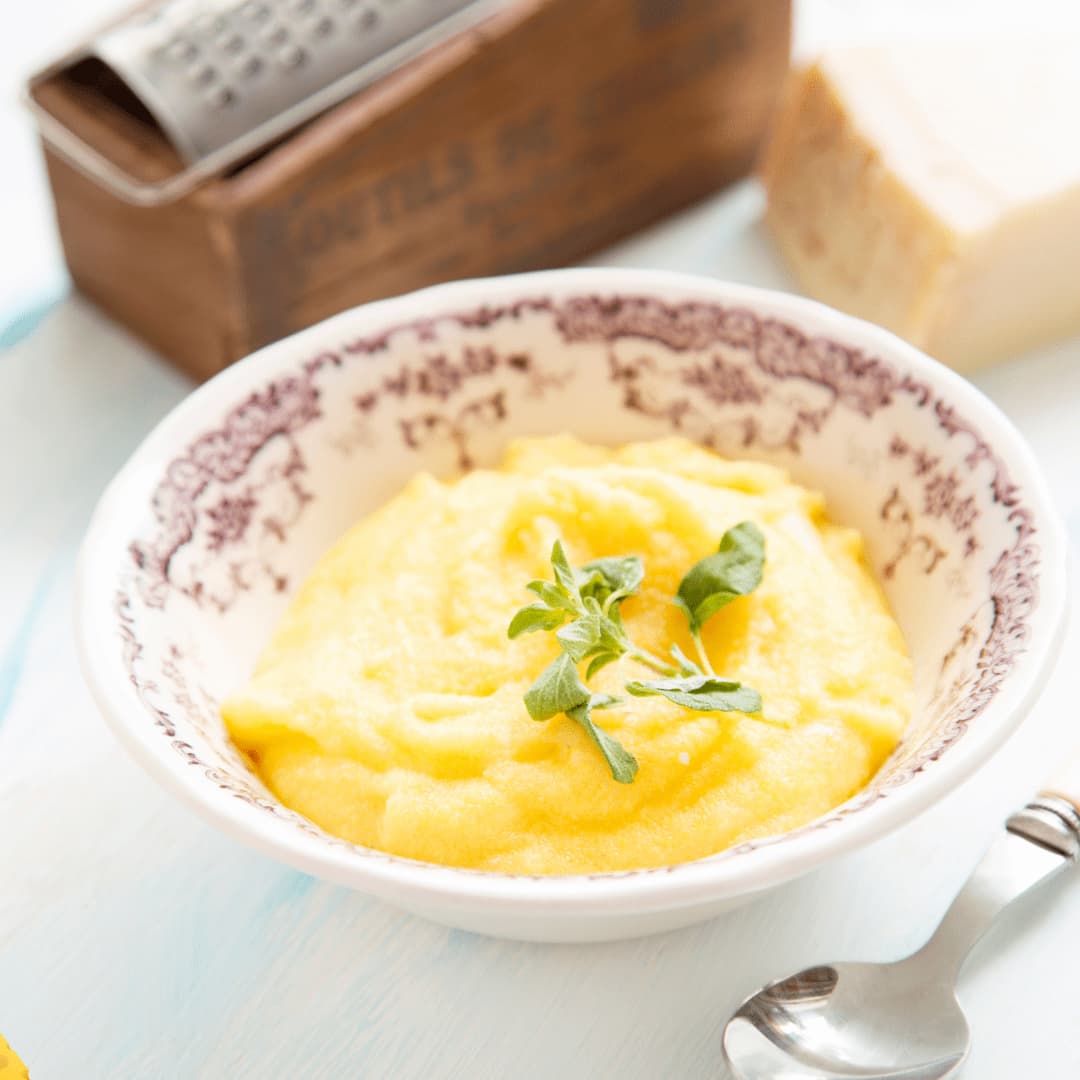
[(198, 542)]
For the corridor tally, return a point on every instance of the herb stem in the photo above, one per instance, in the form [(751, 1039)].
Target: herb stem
[(651, 661), (582, 607), (703, 656)]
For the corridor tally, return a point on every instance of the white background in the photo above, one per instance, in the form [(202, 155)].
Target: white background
[(137, 942)]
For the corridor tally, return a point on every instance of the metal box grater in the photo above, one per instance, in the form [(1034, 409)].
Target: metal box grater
[(224, 79), (494, 137)]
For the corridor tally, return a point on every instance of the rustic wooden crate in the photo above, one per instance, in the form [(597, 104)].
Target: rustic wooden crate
[(555, 128)]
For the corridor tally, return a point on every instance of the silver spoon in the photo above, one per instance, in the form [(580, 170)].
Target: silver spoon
[(902, 1021)]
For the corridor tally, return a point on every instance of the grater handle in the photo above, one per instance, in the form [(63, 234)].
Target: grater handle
[(213, 154), (78, 153)]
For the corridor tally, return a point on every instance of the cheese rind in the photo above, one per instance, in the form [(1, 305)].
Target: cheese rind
[(905, 189)]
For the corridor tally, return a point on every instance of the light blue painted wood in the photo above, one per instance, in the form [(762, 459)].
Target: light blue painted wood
[(21, 323)]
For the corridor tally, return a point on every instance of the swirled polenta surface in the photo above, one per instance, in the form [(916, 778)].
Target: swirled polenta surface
[(387, 707)]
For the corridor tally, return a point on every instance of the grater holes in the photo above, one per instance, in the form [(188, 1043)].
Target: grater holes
[(276, 35), (182, 51), (256, 12), (323, 27), (220, 97), (291, 56), (249, 66), (231, 43), (368, 19), (209, 25), (303, 7), (202, 75)]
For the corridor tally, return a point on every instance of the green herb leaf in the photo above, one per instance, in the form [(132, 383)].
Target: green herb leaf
[(617, 576), (604, 701), (583, 637), (716, 580), (582, 606), (702, 693), (558, 689), (535, 617), (686, 665), (622, 763), (564, 575), (599, 662), (553, 596), (589, 635)]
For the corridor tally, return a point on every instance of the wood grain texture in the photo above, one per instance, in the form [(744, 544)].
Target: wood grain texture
[(165, 273), (552, 130)]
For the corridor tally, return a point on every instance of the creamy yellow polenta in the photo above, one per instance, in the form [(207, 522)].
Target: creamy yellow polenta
[(388, 705)]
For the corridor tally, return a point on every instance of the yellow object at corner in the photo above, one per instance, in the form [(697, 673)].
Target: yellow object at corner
[(11, 1067), (388, 705)]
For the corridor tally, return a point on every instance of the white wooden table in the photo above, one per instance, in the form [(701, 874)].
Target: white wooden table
[(137, 942)]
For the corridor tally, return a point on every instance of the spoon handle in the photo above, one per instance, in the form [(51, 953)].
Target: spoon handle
[(1052, 818), (1039, 840)]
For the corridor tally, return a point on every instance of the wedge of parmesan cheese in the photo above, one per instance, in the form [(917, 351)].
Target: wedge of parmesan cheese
[(935, 189)]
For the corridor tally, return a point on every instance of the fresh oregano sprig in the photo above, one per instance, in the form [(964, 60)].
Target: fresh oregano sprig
[(582, 607)]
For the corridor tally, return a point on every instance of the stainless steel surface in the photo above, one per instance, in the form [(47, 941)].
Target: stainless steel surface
[(225, 78), (1049, 821), (898, 1021)]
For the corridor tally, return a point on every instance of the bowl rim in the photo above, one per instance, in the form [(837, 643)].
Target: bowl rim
[(701, 881)]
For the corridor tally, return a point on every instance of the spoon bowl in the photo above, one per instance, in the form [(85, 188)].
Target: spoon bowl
[(901, 1021), (887, 1021)]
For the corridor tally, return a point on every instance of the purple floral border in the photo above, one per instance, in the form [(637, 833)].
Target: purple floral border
[(779, 351)]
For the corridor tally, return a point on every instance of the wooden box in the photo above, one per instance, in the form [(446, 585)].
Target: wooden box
[(552, 130)]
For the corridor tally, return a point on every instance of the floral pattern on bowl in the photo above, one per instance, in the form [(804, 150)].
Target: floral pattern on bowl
[(243, 488)]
